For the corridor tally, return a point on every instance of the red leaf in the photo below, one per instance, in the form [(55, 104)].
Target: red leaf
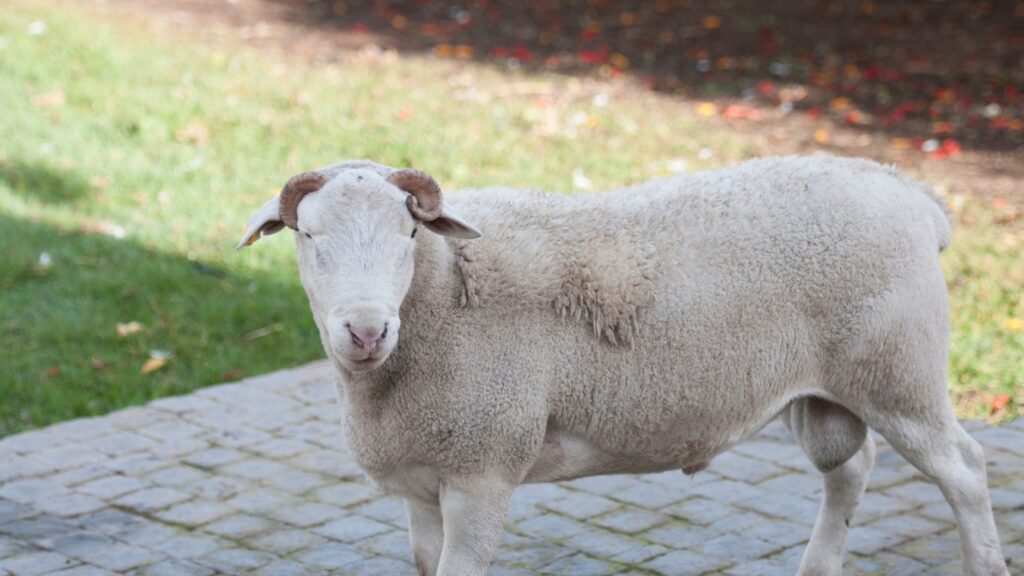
[(1000, 402), (599, 56), (951, 147), (737, 112)]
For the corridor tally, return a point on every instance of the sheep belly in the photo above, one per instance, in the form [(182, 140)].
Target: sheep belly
[(565, 456)]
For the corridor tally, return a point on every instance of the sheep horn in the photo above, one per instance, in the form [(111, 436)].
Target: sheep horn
[(294, 191), (424, 199)]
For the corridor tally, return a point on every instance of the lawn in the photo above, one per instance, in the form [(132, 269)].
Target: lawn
[(131, 161)]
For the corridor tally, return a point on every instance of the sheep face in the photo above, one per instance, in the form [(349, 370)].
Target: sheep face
[(355, 244), (355, 237)]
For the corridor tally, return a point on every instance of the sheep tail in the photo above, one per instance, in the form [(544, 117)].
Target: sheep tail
[(939, 212)]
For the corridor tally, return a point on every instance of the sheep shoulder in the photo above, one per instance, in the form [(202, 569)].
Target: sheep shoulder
[(583, 257)]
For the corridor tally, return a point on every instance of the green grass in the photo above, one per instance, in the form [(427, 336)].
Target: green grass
[(111, 128), (985, 271)]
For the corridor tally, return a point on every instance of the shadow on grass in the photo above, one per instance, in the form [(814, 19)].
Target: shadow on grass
[(63, 358), (949, 69), (36, 179)]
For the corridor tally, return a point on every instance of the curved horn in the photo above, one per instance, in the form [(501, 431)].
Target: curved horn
[(294, 191), (424, 199)]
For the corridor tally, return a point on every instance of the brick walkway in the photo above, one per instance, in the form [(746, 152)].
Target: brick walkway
[(253, 478)]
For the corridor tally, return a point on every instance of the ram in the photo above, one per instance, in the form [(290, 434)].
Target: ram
[(640, 330)]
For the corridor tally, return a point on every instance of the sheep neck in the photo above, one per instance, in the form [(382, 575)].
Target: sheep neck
[(431, 296)]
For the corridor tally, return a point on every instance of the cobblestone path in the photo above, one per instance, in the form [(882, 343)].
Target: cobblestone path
[(253, 478)]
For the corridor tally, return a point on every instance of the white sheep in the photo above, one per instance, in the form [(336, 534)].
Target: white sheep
[(640, 330)]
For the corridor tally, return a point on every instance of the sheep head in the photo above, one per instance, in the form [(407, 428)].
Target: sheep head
[(355, 230)]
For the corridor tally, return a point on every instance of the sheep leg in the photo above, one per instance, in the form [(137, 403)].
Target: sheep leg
[(836, 441), (426, 534), (937, 446), (844, 487), (474, 511)]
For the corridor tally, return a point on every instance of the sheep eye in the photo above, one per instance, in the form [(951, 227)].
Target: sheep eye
[(308, 235), (414, 232)]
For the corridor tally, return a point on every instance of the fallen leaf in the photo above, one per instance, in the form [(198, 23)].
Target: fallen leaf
[(265, 331), (53, 371), (821, 136), (840, 104), (737, 112), (1000, 402), (128, 328), (855, 117), (594, 56), (157, 360), (444, 51), (231, 375), (707, 109), (1014, 324), (101, 182), (711, 22), (194, 132), (152, 365), (53, 99), (99, 227), (1009, 216)]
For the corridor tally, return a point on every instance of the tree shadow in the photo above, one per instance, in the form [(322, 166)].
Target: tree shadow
[(951, 70), (65, 292), (39, 180)]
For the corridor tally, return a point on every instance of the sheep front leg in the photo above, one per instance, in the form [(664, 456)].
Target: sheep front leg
[(474, 511), (426, 534)]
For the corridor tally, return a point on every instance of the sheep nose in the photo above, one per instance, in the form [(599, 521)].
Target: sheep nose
[(368, 338)]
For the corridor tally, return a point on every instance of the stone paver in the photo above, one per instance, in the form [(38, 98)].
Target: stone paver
[(254, 478)]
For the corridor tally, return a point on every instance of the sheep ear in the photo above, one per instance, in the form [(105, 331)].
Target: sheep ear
[(266, 221), (450, 224)]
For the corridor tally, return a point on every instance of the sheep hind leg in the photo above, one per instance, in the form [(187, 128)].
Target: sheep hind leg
[(933, 441), (836, 441)]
